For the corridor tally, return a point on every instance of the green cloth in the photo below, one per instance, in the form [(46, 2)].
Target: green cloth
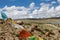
[(32, 38)]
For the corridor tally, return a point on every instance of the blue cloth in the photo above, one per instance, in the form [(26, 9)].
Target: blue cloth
[(4, 16)]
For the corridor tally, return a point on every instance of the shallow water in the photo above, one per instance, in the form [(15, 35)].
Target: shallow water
[(53, 22)]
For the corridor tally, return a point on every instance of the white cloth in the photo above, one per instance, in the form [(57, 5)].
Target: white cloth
[(17, 26)]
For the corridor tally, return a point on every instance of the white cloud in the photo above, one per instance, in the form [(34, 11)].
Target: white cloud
[(51, 12), (32, 5), (35, 11), (53, 2), (58, 8), (22, 12), (57, 11), (58, 1)]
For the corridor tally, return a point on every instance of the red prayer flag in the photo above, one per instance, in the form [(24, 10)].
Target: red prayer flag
[(25, 34)]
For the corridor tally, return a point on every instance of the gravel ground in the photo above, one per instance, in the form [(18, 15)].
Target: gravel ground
[(10, 33)]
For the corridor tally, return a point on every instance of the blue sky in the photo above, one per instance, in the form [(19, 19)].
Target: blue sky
[(24, 2), (30, 8)]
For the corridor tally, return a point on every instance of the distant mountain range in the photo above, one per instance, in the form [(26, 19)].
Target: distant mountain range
[(38, 18)]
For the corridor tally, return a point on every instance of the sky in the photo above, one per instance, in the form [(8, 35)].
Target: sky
[(17, 9)]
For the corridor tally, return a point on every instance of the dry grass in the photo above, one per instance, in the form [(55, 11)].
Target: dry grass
[(47, 32)]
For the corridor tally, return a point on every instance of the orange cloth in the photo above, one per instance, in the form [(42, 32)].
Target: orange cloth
[(25, 34)]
